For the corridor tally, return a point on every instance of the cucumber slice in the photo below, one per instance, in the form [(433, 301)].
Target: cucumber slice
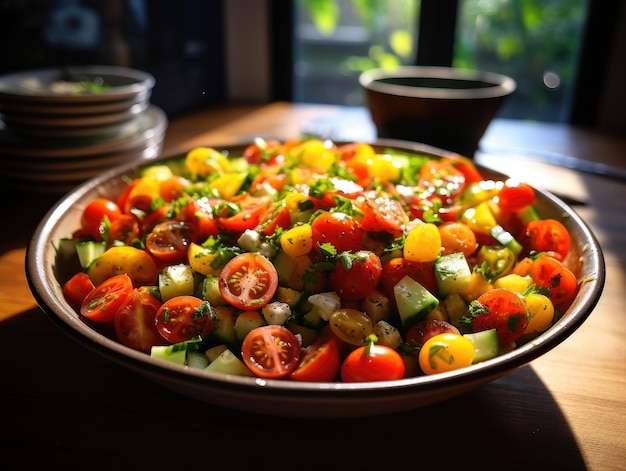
[(506, 239), (89, 250), (197, 359), (486, 344), (176, 280), (413, 300), (224, 330), (246, 321), (227, 363), (452, 273)]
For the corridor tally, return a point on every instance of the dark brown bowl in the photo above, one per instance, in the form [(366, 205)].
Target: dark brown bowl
[(290, 398), (441, 106)]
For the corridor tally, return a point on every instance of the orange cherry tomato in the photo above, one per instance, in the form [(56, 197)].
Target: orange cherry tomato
[(548, 272), (546, 235)]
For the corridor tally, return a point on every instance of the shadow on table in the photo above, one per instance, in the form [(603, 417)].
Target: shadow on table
[(63, 404)]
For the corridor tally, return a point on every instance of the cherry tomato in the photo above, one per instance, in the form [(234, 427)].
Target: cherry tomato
[(446, 352), (274, 218), (248, 281), (200, 213), (397, 268), (466, 167), (351, 326), (515, 196), (124, 229), (172, 188), (548, 272), (134, 322), (456, 236), (251, 209), (271, 351), (500, 309), (169, 241), (546, 235), (76, 289), (101, 304), (338, 229), (419, 333), (320, 361), (372, 362), (93, 214), (442, 179), (360, 279), (382, 213), (183, 318)]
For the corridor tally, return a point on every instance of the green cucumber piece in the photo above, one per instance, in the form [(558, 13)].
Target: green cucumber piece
[(197, 359), (224, 330), (452, 273), (176, 280), (413, 300), (89, 250), (227, 363), (176, 352), (486, 344), (246, 321), (506, 239)]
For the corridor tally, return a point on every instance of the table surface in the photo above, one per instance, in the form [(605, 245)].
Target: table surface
[(62, 404)]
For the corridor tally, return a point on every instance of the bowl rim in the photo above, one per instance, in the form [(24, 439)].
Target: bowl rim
[(56, 308), (502, 85)]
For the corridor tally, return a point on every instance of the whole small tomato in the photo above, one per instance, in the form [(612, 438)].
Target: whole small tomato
[(94, 215), (372, 362), (339, 229), (358, 276)]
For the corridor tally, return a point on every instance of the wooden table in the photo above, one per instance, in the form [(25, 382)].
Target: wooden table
[(61, 404)]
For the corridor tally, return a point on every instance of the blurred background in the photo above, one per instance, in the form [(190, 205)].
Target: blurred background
[(566, 55)]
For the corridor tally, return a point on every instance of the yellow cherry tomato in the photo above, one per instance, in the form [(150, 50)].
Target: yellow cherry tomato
[(315, 153), (124, 259), (297, 241), (540, 312), (384, 167), (446, 352), (423, 243), (204, 161), (200, 259)]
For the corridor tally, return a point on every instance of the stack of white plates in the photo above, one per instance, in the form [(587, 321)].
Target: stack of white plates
[(59, 127)]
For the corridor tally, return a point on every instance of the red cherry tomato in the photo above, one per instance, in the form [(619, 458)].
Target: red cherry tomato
[(200, 213), (546, 235), (101, 304), (76, 289), (372, 362), (548, 272), (170, 240), (441, 179), (320, 361), (248, 281), (360, 279), (382, 213), (271, 351), (419, 333), (466, 167), (248, 216), (274, 218), (397, 268), (173, 187), (515, 196), (93, 214), (183, 318), (500, 309), (134, 322), (124, 229), (338, 229)]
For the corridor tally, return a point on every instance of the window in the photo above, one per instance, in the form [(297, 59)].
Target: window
[(537, 42)]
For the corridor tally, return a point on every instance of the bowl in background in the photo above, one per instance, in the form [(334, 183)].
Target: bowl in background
[(444, 107), (47, 272)]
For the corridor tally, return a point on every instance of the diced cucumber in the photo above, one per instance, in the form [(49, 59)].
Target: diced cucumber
[(177, 352), (285, 267), (211, 291), (228, 363), (413, 300), (456, 308), (89, 250), (486, 344), (246, 321), (224, 330), (452, 273), (212, 353), (529, 213), (288, 296), (176, 280), (197, 359), (506, 239)]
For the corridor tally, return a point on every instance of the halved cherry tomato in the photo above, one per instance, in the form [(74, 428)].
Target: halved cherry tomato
[(359, 279), (442, 179), (248, 281), (457, 236), (338, 229), (382, 213), (169, 240), (548, 272), (372, 362), (466, 167), (546, 235), (134, 322), (274, 218), (397, 268), (320, 361), (76, 289), (271, 351), (199, 212), (251, 209), (173, 187), (499, 309), (419, 333), (515, 196), (92, 217), (101, 304), (183, 318), (351, 326)]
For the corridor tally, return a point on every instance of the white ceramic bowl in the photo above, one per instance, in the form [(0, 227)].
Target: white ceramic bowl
[(290, 398)]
